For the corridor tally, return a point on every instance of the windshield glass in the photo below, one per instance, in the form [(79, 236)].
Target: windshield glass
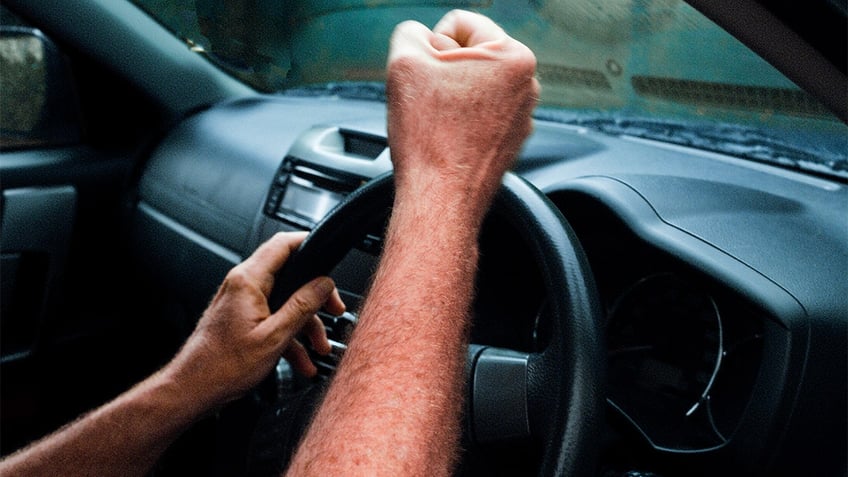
[(655, 69)]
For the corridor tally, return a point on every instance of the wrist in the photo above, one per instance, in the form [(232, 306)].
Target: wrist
[(447, 195), (441, 215), (183, 379)]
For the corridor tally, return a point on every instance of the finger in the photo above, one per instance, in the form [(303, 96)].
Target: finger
[(443, 42), (317, 335), (270, 257), (298, 359), (409, 38), (335, 306), (301, 306), (468, 29)]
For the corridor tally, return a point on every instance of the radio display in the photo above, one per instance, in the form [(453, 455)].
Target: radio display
[(305, 203)]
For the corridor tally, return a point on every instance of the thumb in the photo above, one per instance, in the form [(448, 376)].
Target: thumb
[(302, 305), (443, 42)]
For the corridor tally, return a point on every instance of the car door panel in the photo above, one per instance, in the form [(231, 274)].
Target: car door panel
[(36, 226)]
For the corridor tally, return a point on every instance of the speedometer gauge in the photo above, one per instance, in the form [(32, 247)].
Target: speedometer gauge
[(665, 350)]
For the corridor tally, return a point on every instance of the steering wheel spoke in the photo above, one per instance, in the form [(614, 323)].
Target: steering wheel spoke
[(497, 394)]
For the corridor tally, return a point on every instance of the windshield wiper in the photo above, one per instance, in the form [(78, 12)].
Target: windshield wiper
[(797, 153)]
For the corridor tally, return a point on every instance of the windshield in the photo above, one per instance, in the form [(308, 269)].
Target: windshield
[(656, 69)]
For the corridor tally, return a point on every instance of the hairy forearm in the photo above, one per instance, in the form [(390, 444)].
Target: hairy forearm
[(459, 99), (235, 344), (122, 438), (395, 402)]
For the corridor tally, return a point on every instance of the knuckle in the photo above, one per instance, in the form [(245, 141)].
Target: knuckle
[(406, 25), (522, 63), (454, 14), (237, 278), (301, 304)]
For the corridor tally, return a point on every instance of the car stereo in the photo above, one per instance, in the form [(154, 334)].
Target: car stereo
[(320, 170), (302, 195)]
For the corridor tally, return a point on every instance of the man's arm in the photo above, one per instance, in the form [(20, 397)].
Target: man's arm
[(236, 343), (459, 104)]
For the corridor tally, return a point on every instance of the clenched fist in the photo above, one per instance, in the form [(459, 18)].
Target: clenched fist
[(460, 99)]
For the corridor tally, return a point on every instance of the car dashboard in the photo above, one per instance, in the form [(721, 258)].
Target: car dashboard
[(722, 281)]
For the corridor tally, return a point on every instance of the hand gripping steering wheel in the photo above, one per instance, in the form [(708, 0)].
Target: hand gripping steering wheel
[(554, 396)]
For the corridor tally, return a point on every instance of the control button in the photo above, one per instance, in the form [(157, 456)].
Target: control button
[(371, 244), (273, 200), (339, 329), (282, 178)]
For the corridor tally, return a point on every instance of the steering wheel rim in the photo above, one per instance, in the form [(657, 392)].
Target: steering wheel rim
[(565, 380)]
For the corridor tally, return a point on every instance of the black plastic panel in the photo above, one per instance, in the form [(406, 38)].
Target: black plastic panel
[(769, 245), (213, 172), (36, 229)]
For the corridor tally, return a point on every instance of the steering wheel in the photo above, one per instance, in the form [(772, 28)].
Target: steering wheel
[(554, 396)]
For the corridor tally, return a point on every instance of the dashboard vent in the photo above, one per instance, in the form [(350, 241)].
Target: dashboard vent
[(362, 145), (570, 76), (727, 95)]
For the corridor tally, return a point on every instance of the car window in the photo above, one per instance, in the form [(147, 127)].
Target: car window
[(656, 69)]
